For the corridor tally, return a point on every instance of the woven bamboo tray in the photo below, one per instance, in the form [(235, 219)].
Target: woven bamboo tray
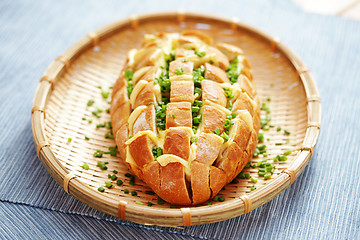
[(96, 60)]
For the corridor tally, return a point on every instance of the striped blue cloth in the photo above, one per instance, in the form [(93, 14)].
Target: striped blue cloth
[(323, 203)]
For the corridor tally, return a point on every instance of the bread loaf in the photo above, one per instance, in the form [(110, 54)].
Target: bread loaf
[(185, 115)]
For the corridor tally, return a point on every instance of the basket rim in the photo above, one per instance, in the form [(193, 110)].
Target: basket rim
[(171, 217)]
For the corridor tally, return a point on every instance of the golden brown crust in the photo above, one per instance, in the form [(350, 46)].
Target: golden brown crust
[(141, 150), (215, 73), (173, 184), (145, 120), (213, 92), (194, 166), (217, 180), (200, 182), (177, 142), (182, 91), (178, 114), (213, 119), (208, 148)]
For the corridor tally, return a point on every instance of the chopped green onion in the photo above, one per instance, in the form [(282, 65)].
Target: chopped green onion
[(278, 144), (179, 71), (222, 198), (69, 140), (105, 94), (119, 182), (113, 177), (128, 175), (90, 121), (262, 147), (90, 102), (211, 62), (126, 191), (286, 132), (278, 129), (261, 138), (98, 154), (254, 180), (247, 175), (199, 54), (197, 91), (193, 139), (267, 175), (157, 151), (283, 158), (149, 192), (102, 165), (287, 152), (96, 114), (109, 135), (87, 138), (139, 203), (149, 204), (253, 187), (216, 198), (225, 136), (160, 201), (85, 166), (233, 71), (83, 118), (228, 93), (217, 131), (101, 189), (133, 193), (108, 184)]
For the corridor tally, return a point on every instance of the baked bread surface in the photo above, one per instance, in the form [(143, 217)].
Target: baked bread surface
[(185, 115)]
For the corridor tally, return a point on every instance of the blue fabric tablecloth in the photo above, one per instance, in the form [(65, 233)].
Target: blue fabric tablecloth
[(323, 203)]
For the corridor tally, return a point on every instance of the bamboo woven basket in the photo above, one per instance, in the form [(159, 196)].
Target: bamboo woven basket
[(73, 78)]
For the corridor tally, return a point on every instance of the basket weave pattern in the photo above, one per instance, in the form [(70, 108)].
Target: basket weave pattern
[(97, 59)]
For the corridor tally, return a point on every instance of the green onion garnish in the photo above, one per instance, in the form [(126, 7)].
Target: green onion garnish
[(133, 193), (149, 204), (287, 152), (90, 102), (267, 175), (119, 182), (101, 189), (126, 191), (254, 180), (105, 94), (102, 165), (160, 201), (69, 140), (85, 166), (286, 132), (98, 154), (108, 184), (179, 71), (199, 54)]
